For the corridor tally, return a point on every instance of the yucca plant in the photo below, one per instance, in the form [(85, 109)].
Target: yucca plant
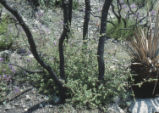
[(144, 49)]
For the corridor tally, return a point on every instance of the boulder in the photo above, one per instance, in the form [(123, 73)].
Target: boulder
[(147, 105), (115, 109)]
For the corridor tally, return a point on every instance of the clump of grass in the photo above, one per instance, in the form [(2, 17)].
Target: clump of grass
[(144, 49), (144, 46)]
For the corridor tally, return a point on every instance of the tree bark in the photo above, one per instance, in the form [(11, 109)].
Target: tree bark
[(33, 49), (86, 19), (70, 11), (100, 51), (67, 13)]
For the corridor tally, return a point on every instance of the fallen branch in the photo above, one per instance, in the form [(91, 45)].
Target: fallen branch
[(16, 96), (26, 70)]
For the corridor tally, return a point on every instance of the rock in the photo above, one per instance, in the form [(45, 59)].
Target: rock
[(28, 98), (113, 67), (19, 60), (150, 105), (16, 59), (115, 109), (8, 107), (22, 51), (5, 54)]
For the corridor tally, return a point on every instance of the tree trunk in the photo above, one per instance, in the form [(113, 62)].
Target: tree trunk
[(70, 11), (67, 13), (100, 52), (86, 19)]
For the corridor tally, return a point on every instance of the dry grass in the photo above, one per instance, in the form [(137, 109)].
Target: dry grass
[(144, 46)]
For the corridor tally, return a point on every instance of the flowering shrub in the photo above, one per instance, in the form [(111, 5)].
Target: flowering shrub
[(6, 74)]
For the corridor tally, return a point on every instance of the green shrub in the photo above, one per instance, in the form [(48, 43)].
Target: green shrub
[(81, 71), (119, 31), (88, 91), (6, 39), (75, 4)]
